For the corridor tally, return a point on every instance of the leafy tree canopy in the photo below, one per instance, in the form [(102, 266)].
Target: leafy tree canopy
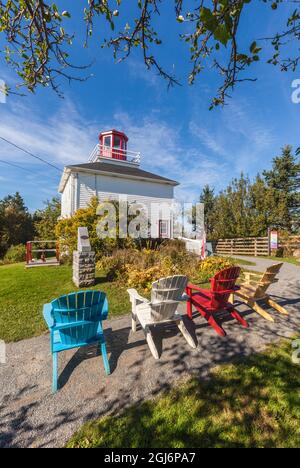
[(37, 44), (16, 225), (46, 219)]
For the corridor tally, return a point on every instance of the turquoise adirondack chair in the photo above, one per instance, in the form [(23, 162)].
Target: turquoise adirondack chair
[(75, 320)]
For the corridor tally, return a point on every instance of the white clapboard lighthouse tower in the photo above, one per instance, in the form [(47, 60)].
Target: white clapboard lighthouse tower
[(112, 171)]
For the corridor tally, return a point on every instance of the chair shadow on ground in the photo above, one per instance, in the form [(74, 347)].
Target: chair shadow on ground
[(117, 343), (118, 340)]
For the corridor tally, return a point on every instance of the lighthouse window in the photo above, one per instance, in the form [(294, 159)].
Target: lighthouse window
[(163, 229), (107, 141), (117, 142)]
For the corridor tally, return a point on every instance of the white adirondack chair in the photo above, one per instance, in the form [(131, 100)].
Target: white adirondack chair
[(166, 295)]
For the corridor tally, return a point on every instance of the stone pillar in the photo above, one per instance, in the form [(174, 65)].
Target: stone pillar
[(83, 269), (83, 261)]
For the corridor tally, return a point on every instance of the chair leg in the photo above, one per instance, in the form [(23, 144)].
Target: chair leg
[(211, 320), (239, 318), (276, 306), (151, 343), (133, 322), (104, 357), (54, 372), (186, 333), (262, 312)]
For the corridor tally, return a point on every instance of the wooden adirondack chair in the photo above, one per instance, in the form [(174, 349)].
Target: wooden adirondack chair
[(75, 320), (166, 295), (210, 302), (255, 287)]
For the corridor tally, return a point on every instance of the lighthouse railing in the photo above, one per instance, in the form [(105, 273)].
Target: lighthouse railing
[(107, 152)]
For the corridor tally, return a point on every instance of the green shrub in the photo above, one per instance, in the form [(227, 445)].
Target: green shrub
[(15, 254)]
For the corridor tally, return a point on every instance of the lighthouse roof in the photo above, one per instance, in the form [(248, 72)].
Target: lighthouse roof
[(117, 170)]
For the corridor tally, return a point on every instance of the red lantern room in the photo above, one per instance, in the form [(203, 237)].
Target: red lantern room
[(113, 144)]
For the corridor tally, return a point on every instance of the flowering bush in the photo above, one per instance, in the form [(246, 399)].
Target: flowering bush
[(140, 268), (212, 265), (143, 279)]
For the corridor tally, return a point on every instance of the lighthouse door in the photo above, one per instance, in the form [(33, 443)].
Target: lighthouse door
[(107, 146)]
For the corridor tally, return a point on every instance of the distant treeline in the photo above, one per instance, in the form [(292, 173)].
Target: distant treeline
[(248, 208), (245, 208)]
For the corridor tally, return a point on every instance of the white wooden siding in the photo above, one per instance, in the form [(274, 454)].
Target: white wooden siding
[(81, 187), (66, 200)]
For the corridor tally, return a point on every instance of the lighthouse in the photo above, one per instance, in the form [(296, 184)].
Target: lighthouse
[(114, 170)]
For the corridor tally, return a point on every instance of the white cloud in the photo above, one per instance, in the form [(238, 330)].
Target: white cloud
[(208, 139), (61, 139), (163, 152), (239, 119), (67, 138), (138, 70), (239, 135)]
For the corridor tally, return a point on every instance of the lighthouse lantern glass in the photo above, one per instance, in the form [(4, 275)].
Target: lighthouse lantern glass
[(117, 142), (107, 141)]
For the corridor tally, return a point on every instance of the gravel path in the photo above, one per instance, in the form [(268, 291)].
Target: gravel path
[(30, 416), (288, 272)]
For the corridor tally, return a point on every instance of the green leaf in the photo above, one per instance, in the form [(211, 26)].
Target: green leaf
[(253, 47), (208, 19), (222, 34)]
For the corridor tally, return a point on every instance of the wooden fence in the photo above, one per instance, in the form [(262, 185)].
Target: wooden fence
[(291, 243), (254, 246)]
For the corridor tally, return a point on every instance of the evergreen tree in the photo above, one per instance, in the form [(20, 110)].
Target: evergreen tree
[(208, 198), (284, 178)]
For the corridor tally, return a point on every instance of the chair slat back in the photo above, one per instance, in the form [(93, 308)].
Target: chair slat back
[(165, 296), (223, 285), (87, 307), (268, 278)]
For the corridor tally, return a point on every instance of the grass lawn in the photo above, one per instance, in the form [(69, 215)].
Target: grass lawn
[(24, 291), (255, 403)]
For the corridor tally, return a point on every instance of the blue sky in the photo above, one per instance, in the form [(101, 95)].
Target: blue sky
[(174, 130)]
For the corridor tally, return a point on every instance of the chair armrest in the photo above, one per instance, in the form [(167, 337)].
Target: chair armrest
[(193, 287), (250, 273), (226, 291), (136, 297), (47, 309)]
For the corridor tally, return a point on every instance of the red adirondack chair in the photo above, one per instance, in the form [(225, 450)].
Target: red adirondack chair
[(210, 302)]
